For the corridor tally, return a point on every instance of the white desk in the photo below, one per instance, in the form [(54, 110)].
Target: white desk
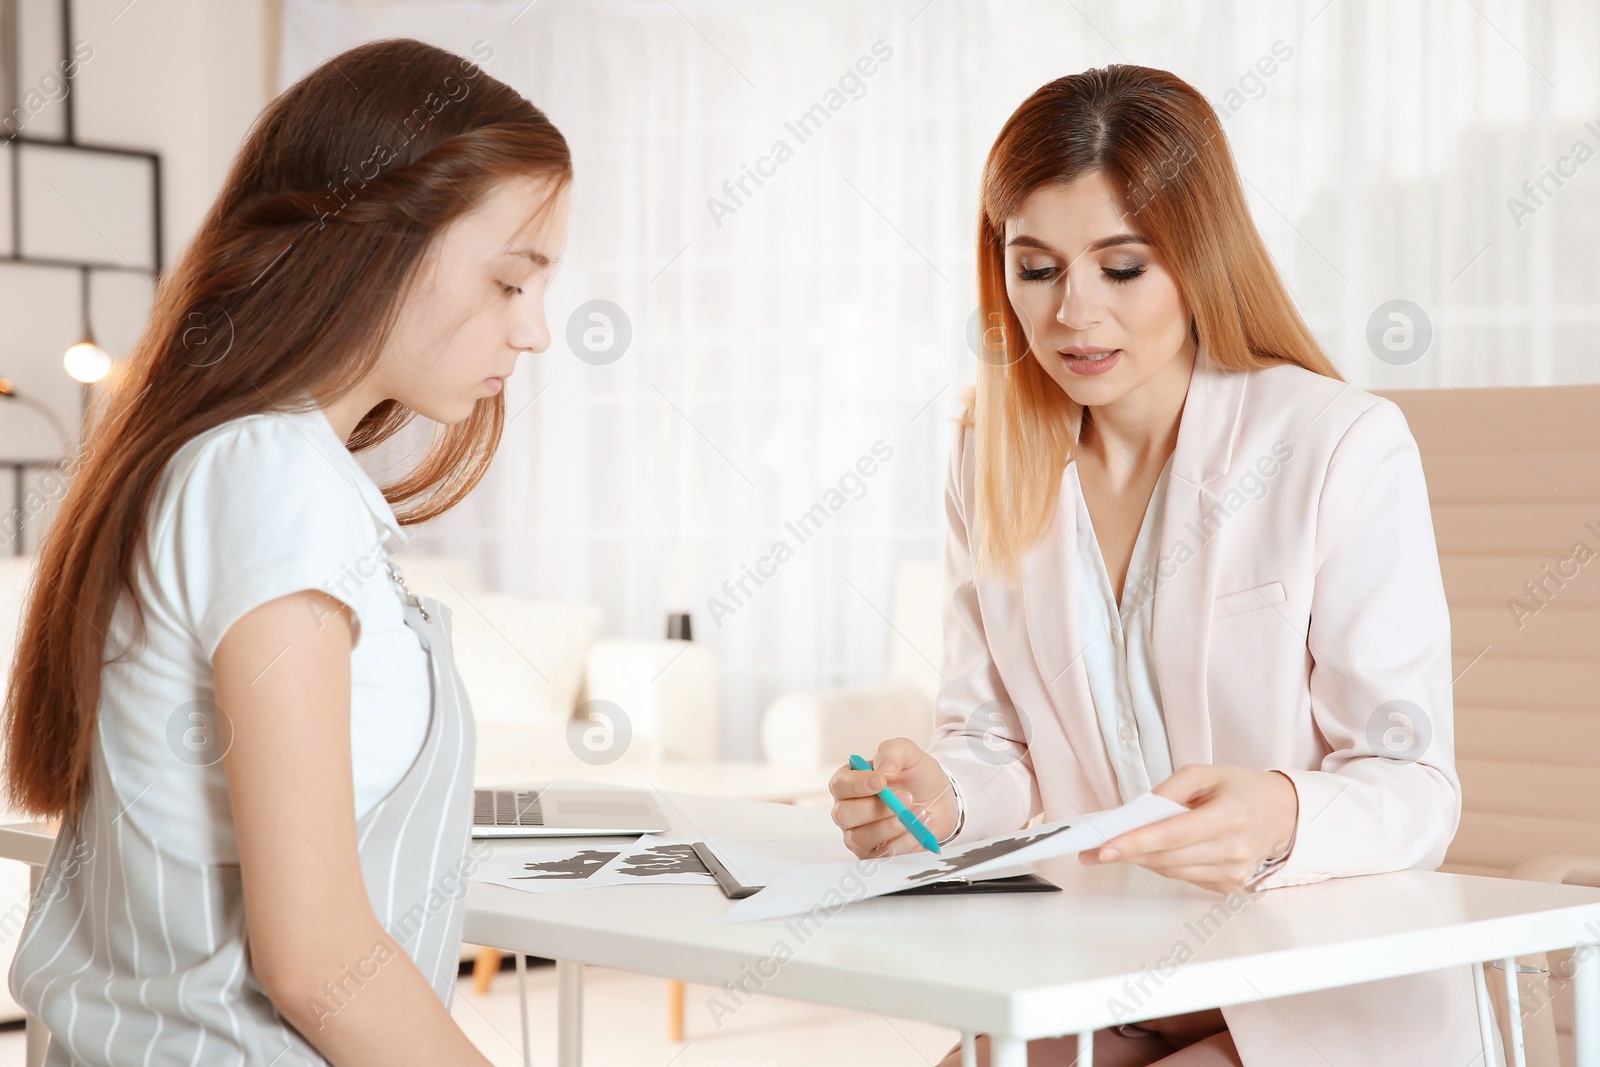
[(1040, 965), (955, 960)]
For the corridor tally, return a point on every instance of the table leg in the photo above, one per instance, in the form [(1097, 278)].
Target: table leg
[(484, 968), (37, 1040), (1519, 1056), (1485, 1013), (675, 1011), (1013, 1052), (569, 1013), (1586, 1005), (522, 995)]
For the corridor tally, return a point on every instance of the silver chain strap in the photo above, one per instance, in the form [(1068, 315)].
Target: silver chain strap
[(401, 581)]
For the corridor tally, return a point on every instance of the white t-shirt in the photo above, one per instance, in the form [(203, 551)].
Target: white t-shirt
[(249, 511)]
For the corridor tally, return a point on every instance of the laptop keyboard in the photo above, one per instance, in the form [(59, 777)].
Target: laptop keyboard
[(506, 807)]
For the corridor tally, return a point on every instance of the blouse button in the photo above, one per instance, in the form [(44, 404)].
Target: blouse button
[(1126, 733)]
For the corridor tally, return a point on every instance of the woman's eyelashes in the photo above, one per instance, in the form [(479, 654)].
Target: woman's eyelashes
[(509, 289), (1115, 274)]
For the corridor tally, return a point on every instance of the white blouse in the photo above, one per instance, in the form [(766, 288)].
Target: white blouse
[(1117, 646), (1117, 654)]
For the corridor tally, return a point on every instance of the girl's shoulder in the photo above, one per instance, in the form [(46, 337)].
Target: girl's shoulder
[(258, 443), (268, 471), (256, 508)]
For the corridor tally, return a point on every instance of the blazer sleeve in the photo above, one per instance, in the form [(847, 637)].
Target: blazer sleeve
[(1386, 797), (978, 736)]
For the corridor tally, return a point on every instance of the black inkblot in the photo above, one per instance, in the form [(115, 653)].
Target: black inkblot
[(663, 859), (952, 865), (575, 868)]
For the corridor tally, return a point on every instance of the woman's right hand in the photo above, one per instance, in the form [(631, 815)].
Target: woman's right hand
[(870, 828)]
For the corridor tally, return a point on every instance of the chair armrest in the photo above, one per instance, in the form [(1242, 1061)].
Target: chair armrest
[(820, 728), (668, 690), (1560, 868)]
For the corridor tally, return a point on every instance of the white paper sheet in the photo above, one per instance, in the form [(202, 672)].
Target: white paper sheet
[(827, 885), (762, 860), (652, 859)]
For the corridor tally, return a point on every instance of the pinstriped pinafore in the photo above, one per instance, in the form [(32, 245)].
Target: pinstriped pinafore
[(132, 956)]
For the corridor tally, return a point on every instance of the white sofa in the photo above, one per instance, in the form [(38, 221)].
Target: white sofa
[(527, 665), (535, 669)]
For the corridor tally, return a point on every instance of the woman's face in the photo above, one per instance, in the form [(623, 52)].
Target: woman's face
[(477, 302), (1078, 276)]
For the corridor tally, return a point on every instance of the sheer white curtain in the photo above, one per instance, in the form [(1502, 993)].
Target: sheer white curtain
[(782, 331)]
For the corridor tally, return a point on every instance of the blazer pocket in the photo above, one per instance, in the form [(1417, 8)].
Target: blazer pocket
[(1258, 596)]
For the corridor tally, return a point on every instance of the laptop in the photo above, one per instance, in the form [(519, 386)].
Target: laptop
[(554, 811)]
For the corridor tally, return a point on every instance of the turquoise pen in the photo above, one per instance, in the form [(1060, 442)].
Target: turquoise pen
[(923, 835)]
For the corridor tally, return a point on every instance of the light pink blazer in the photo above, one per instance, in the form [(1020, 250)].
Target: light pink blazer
[(1299, 595)]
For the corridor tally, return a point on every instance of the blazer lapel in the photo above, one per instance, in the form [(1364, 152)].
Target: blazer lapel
[(1184, 595), (1049, 584), (1187, 560)]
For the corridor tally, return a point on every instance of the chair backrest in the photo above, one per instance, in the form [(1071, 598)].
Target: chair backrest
[(1514, 485)]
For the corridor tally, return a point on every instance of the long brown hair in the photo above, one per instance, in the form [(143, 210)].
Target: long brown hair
[(340, 187), (1159, 143)]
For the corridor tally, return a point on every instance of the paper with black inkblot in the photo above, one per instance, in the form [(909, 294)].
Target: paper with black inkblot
[(545, 866), (805, 888)]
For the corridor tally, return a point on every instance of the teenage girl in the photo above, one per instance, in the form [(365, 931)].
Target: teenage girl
[(253, 734)]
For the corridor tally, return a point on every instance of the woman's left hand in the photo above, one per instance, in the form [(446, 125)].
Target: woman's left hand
[(1237, 818)]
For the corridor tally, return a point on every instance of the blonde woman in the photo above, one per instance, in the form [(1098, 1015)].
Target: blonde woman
[(253, 733), (1183, 555)]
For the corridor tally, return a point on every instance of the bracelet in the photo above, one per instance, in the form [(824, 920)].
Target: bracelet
[(1271, 863), (1267, 867)]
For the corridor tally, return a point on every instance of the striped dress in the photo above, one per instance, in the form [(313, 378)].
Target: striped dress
[(135, 955)]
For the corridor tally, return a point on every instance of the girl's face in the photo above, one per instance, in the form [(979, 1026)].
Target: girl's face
[(477, 302), (1080, 278)]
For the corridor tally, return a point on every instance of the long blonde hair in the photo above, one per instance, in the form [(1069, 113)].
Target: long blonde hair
[(1158, 141)]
